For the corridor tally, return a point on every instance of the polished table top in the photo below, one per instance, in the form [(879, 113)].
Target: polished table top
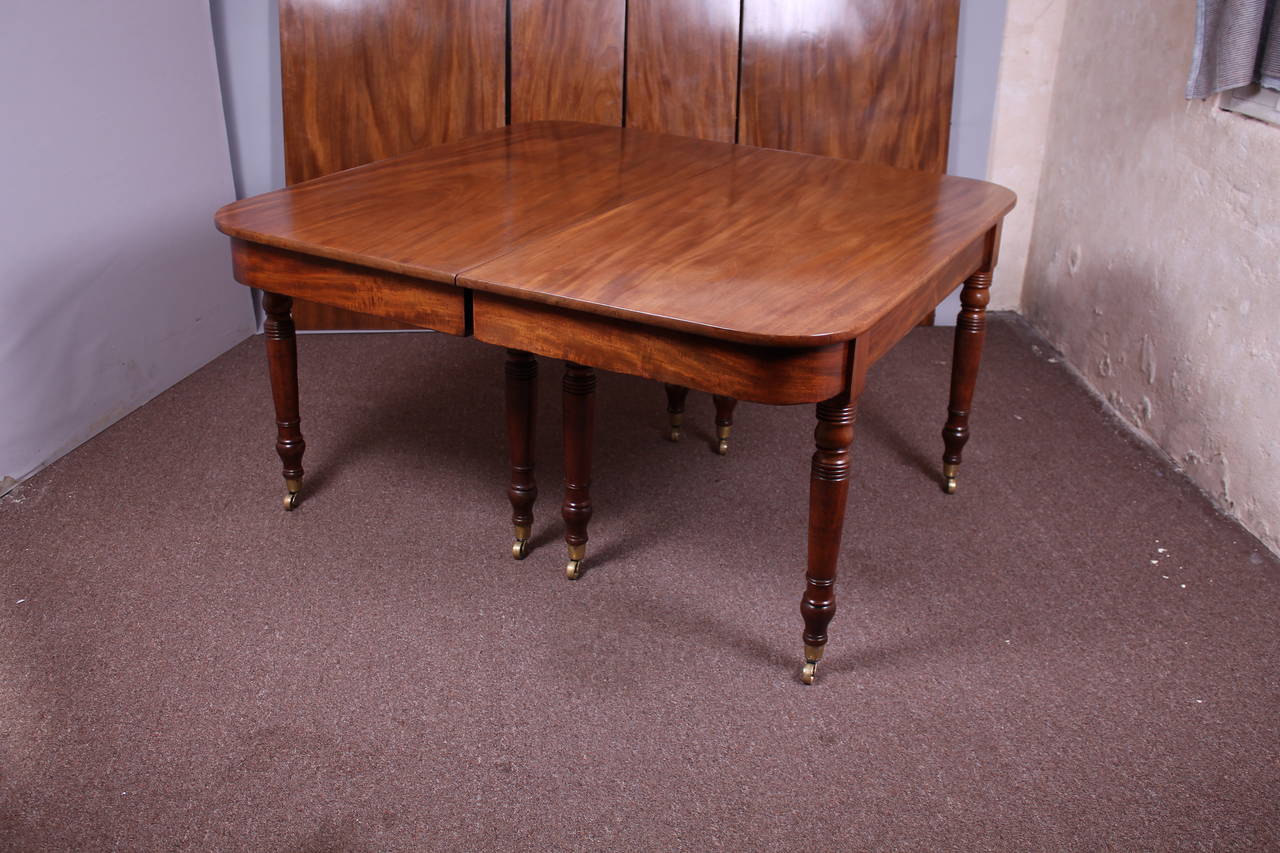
[(438, 211), (765, 247)]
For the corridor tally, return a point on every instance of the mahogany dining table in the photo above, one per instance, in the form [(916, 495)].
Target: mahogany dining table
[(750, 273)]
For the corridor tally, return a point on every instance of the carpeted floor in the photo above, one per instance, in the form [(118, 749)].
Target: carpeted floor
[(1072, 653)]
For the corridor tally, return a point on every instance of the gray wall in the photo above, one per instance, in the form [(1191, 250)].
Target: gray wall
[(113, 282), (977, 70), (248, 47), (973, 110), (246, 33)]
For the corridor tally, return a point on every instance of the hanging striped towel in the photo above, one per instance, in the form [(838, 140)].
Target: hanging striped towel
[(1237, 43)]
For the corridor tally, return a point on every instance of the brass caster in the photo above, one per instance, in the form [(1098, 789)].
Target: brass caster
[(812, 654), (291, 497), (722, 439), (521, 547), (810, 671), (722, 447), (677, 421), (577, 553), (949, 472), (674, 434)]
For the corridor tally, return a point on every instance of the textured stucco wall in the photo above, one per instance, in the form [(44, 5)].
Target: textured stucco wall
[(1024, 95), (1155, 257)]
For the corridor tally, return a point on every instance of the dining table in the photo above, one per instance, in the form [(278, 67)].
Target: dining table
[(752, 274)]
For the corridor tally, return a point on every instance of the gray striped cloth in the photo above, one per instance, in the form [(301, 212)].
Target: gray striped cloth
[(1237, 43)]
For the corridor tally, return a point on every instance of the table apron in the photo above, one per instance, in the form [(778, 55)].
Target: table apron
[(895, 324), (755, 373), (417, 301)]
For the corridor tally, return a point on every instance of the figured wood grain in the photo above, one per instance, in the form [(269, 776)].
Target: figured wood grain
[(869, 80), (682, 66), (566, 60), (771, 248), (437, 211), (368, 79), (414, 302), (746, 372)]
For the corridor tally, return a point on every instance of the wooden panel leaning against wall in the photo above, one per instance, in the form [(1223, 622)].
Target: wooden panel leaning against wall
[(367, 79), (566, 60), (861, 79), (682, 66)]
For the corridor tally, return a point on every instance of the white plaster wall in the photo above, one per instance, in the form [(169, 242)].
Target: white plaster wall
[(113, 282), (1155, 258), (1024, 96)]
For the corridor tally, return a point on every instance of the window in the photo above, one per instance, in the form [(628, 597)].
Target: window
[(1255, 101)]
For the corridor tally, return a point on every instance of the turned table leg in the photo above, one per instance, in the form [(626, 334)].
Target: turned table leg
[(282, 362), (522, 404), (828, 493), (971, 330), (579, 424), (724, 422), (676, 395)]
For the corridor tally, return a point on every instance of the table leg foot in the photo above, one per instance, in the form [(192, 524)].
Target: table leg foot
[(724, 422), (812, 655), (579, 424), (521, 405), (949, 472), (676, 395)]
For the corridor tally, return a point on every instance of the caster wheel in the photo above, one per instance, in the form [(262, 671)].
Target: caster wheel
[(810, 671), (722, 446), (290, 501), (674, 435), (573, 571), (950, 486), (520, 549)]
